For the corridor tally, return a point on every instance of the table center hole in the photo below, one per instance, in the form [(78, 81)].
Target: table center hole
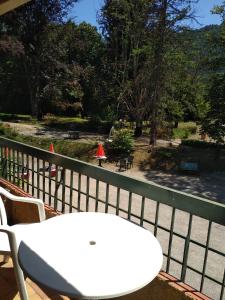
[(92, 243)]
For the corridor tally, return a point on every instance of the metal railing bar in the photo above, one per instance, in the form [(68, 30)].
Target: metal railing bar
[(194, 270), (223, 286), (87, 193), (142, 211), (129, 205), (32, 174), (21, 174), (156, 219), (170, 239), (56, 189), (206, 255), (71, 191), (62, 181), (107, 198), (38, 179), (186, 249), (14, 165), (79, 191), (117, 201), (96, 195), (43, 180), (28, 174), (49, 187)]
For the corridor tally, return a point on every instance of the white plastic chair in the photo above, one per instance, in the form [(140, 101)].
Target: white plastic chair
[(9, 236)]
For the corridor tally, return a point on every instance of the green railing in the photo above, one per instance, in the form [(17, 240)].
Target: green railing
[(189, 228)]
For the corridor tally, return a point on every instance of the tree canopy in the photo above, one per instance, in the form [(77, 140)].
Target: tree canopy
[(145, 65)]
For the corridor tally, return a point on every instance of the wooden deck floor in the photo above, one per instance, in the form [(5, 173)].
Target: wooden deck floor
[(9, 291)]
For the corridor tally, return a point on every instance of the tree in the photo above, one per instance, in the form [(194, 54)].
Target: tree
[(29, 25), (124, 26), (166, 18), (214, 122), (139, 35)]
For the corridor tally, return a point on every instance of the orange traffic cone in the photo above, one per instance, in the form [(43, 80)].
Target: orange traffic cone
[(100, 152), (51, 148)]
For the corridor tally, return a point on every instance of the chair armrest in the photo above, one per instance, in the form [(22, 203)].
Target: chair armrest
[(38, 202), (11, 236)]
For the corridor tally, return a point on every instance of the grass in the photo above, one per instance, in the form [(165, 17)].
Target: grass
[(82, 151), (185, 130), (16, 117)]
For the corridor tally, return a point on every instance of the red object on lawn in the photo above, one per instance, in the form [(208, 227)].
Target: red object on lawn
[(100, 152), (51, 148), (25, 175), (53, 171)]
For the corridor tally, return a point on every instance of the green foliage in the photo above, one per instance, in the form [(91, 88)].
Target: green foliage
[(184, 130), (214, 122), (122, 143), (180, 133), (143, 66)]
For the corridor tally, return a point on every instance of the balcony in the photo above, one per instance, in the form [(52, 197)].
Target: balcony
[(190, 229)]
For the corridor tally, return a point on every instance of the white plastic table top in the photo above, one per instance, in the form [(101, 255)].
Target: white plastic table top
[(90, 255)]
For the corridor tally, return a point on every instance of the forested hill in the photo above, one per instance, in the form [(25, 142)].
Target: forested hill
[(201, 39), (200, 36), (202, 47)]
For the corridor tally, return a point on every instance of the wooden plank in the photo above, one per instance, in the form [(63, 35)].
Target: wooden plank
[(8, 5)]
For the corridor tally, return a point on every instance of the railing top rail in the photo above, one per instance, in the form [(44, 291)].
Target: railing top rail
[(195, 205)]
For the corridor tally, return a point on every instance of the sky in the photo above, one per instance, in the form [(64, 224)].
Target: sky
[(86, 10)]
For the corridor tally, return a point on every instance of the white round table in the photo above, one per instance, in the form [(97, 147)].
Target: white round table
[(90, 255)]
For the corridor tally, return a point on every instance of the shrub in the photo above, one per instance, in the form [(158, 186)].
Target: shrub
[(202, 144), (122, 143), (184, 130), (180, 133)]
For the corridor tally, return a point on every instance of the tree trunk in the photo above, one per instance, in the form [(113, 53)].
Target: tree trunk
[(153, 133), (138, 129), (158, 73)]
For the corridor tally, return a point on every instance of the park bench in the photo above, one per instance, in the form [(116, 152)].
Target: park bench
[(74, 134), (125, 163), (190, 167)]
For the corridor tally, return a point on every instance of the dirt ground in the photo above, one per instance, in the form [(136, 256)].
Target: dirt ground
[(210, 185)]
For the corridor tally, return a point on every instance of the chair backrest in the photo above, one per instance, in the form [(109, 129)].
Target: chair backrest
[(3, 216)]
